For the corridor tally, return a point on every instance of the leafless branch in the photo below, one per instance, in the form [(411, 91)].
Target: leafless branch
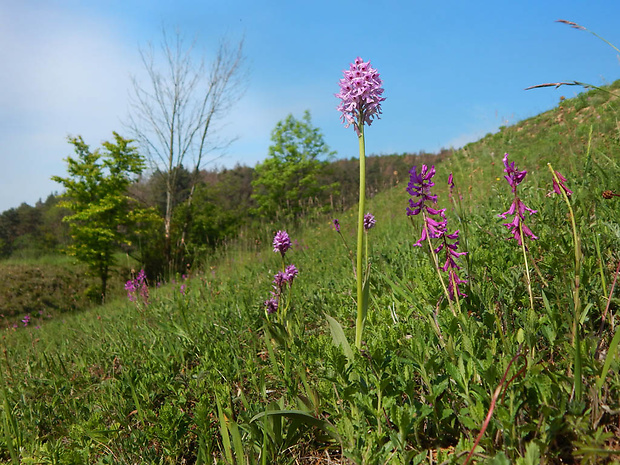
[(173, 114)]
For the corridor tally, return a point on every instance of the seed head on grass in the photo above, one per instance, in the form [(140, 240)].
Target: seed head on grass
[(360, 94)]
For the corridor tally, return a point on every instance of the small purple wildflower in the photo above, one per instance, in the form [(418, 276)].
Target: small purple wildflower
[(26, 320), (360, 92), (182, 289), (450, 185), (436, 229), (138, 285), (279, 280), (562, 186), (419, 187), (290, 273), (517, 208), (271, 305), (281, 242), (453, 284), (130, 287), (513, 175), (336, 224), (369, 221)]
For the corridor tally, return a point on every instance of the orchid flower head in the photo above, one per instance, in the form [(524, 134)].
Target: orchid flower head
[(360, 94)]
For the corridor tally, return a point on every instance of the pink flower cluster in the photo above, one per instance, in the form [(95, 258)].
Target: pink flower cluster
[(360, 92), (138, 287), (281, 244)]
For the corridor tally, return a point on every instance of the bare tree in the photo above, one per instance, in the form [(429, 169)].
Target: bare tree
[(174, 115)]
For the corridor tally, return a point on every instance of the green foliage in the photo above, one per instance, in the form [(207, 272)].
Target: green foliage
[(29, 232), (288, 183), (96, 193)]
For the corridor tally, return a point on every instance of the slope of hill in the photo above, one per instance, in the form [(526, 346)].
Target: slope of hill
[(197, 372)]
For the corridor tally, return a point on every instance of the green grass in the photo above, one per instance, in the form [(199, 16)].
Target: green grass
[(52, 286), (205, 377)]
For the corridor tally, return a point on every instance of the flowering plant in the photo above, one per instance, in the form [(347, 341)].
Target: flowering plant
[(517, 227), (282, 280), (361, 96), (138, 289), (435, 226)]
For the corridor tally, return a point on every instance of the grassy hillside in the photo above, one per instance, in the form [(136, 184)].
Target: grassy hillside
[(50, 286), (198, 373)]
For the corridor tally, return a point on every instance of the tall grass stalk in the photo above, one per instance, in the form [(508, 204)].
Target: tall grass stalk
[(613, 345), (527, 269), (576, 285)]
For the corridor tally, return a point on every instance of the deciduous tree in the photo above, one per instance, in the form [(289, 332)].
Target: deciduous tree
[(175, 112), (96, 194), (289, 179)]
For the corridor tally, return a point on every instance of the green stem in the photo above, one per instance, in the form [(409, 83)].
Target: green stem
[(436, 261), (527, 269), (576, 286), (454, 287), (359, 324)]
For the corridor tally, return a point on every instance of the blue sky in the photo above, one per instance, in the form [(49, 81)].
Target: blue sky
[(453, 71)]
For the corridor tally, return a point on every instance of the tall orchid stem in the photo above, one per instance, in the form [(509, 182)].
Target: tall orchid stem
[(576, 286), (527, 269), (436, 260), (359, 324)]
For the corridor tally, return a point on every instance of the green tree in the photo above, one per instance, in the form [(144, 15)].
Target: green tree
[(96, 194), (289, 180)]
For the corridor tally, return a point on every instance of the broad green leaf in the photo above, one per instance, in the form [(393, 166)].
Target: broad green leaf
[(301, 416), (339, 337)]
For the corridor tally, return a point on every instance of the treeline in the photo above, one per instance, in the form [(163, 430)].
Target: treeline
[(220, 206)]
